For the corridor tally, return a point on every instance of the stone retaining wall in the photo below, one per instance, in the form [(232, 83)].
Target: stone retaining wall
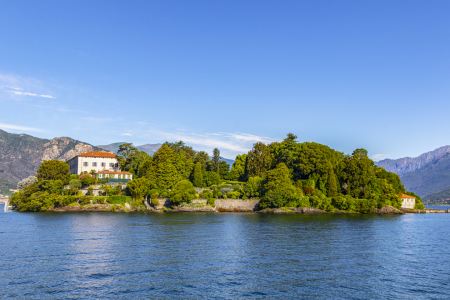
[(251, 204), (201, 201)]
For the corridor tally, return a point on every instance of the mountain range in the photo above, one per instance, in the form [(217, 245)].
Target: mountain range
[(426, 174), (22, 154)]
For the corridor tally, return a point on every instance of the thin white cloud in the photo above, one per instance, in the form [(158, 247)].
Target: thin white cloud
[(126, 134), (98, 120), (30, 94), (18, 127), (377, 157), (235, 142)]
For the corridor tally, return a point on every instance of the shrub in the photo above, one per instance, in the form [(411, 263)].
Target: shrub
[(75, 183), (309, 190), (212, 202), (221, 209), (139, 203), (206, 194), (183, 191), (84, 200), (118, 200), (225, 190), (86, 179), (26, 182)]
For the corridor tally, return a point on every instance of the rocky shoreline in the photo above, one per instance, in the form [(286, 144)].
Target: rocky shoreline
[(206, 208)]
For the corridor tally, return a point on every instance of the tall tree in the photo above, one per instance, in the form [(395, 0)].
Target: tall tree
[(184, 165), (258, 160), (138, 188), (178, 146), (202, 157), (331, 183), (224, 169), (198, 176), (54, 170), (124, 151), (216, 158), (238, 168), (162, 170)]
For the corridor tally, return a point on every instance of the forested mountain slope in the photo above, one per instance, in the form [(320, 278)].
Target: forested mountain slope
[(21, 155)]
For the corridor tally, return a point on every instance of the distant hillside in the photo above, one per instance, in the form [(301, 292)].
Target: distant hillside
[(148, 148), (410, 164), (439, 196), (21, 155), (426, 174)]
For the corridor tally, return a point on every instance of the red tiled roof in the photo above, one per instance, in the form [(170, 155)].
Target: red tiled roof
[(112, 172), (97, 154), (406, 196)]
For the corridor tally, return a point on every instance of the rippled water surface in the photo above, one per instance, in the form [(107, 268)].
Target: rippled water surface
[(227, 255)]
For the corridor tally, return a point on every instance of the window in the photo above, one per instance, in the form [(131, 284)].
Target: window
[(94, 164), (100, 175), (111, 165), (85, 164), (103, 164)]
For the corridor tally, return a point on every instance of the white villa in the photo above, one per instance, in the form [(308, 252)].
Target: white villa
[(97, 161), (408, 201)]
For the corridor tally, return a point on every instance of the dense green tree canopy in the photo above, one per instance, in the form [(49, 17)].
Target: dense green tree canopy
[(54, 170), (163, 169), (138, 188), (258, 160), (183, 191)]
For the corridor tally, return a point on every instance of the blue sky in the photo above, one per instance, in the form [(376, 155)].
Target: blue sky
[(348, 74)]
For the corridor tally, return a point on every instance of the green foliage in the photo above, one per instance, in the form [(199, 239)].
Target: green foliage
[(238, 168), (125, 150), (75, 183), (258, 160), (51, 186), (118, 200), (216, 159), (54, 170), (183, 191), (254, 186), (86, 179), (26, 182), (163, 169), (278, 178), (212, 202), (211, 178), (206, 194), (198, 175), (224, 170), (181, 146), (331, 183), (138, 188)]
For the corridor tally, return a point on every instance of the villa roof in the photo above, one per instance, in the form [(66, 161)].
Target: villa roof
[(97, 154), (406, 196), (113, 172)]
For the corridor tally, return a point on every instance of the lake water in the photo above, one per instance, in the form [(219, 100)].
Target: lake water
[(223, 256)]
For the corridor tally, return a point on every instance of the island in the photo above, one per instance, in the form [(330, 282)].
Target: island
[(281, 177)]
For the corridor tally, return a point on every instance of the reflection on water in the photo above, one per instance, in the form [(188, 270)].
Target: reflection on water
[(205, 255)]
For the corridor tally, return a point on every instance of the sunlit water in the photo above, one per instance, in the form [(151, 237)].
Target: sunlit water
[(223, 256)]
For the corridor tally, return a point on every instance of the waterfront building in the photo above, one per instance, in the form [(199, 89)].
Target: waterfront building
[(114, 176), (408, 201), (97, 161)]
